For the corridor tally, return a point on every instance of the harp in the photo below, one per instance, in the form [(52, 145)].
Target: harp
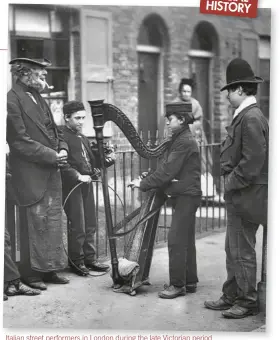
[(142, 235)]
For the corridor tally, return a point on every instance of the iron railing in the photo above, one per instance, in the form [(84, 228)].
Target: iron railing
[(210, 216)]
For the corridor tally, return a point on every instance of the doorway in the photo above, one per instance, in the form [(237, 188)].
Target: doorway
[(148, 66), (152, 46), (201, 66), (148, 95), (204, 49)]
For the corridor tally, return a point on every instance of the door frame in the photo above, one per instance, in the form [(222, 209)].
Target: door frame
[(96, 73), (192, 54), (160, 80)]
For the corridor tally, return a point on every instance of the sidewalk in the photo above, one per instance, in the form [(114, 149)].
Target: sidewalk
[(89, 303)]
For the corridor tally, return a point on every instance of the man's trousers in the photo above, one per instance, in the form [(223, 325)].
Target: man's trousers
[(241, 265), (181, 241), (80, 211), (41, 234)]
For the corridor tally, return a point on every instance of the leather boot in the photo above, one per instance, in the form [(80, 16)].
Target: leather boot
[(171, 292)]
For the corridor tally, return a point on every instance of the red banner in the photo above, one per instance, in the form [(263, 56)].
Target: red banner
[(236, 8)]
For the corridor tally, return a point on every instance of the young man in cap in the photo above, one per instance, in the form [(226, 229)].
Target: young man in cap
[(37, 152), (185, 90), (83, 164), (244, 165), (178, 175)]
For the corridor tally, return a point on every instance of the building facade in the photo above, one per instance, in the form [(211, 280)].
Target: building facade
[(134, 58)]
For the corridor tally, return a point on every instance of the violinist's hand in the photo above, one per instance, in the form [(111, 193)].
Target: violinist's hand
[(84, 178), (96, 172), (144, 174), (135, 183), (111, 157), (61, 158)]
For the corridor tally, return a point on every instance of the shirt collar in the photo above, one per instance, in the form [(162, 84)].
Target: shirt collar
[(250, 100)]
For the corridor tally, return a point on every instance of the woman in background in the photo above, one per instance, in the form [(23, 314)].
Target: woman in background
[(185, 95)]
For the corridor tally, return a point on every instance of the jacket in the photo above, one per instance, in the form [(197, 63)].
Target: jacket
[(32, 157), (76, 163), (244, 164), (179, 171)]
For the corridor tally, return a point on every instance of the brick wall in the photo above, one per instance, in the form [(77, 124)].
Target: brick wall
[(180, 23)]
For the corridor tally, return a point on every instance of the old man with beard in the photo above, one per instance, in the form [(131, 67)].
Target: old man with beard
[(37, 152)]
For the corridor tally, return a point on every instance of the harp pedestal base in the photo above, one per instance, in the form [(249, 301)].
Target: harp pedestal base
[(130, 289), (130, 280)]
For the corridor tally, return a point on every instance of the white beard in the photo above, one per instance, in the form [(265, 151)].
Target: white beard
[(35, 82)]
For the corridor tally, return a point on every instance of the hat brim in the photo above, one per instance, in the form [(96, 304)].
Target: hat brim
[(45, 63), (255, 80)]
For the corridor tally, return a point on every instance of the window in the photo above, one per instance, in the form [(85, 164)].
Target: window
[(43, 31)]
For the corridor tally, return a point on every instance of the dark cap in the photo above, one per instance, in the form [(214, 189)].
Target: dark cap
[(72, 107), (43, 62), (178, 108)]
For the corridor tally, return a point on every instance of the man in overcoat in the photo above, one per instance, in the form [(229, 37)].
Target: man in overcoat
[(178, 175), (37, 151), (244, 165)]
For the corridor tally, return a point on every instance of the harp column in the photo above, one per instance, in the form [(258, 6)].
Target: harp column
[(98, 121)]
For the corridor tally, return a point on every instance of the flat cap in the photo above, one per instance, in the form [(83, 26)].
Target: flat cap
[(43, 62)]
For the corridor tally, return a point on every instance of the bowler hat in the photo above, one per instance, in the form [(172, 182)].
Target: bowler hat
[(239, 71), (43, 62)]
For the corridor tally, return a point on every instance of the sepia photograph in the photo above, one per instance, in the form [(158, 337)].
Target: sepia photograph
[(136, 182)]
